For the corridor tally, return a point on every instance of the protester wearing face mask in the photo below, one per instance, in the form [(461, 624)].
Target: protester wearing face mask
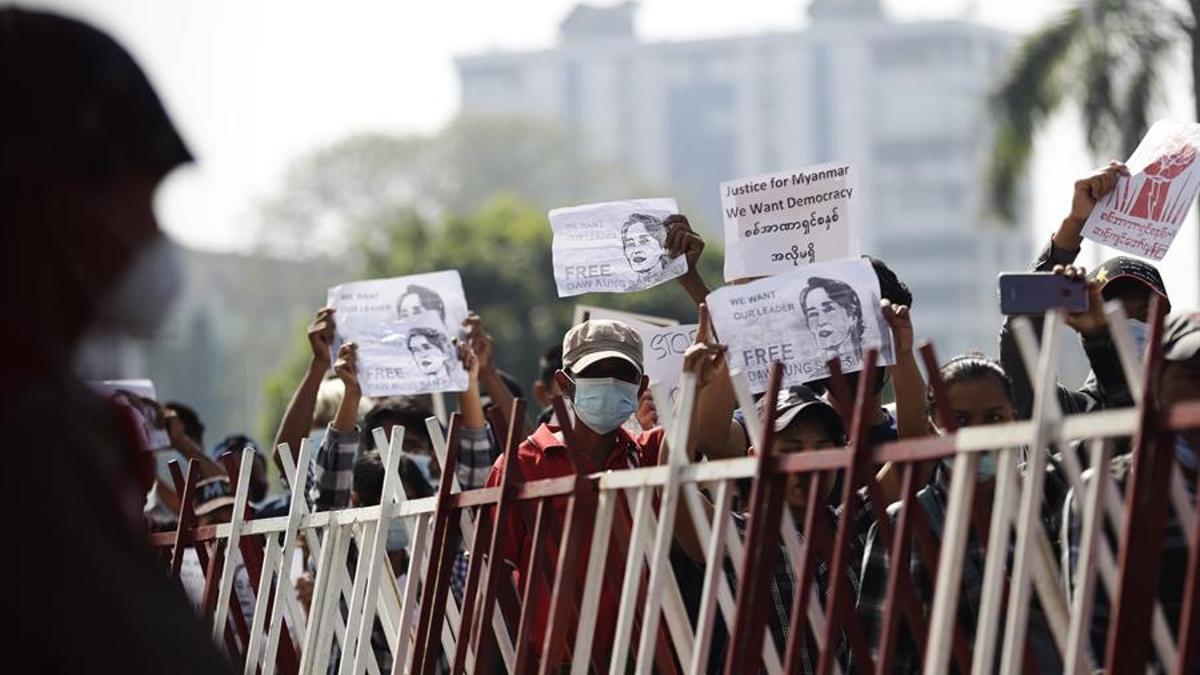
[(84, 143), (1179, 382), (1127, 280), (601, 378), (979, 394)]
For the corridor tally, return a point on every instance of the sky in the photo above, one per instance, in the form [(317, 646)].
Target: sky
[(254, 84)]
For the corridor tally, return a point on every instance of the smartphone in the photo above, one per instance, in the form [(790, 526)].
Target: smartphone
[(1036, 292)]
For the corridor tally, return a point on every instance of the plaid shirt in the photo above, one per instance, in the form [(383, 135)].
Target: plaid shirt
[(1174, 558), (783, 581), (933, 500), (331, 475)]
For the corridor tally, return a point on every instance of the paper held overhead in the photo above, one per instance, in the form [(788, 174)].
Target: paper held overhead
[(1145, 210), (779, 221), (613, 247)]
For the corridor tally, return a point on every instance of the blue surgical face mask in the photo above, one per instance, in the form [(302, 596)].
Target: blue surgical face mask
[(1185, 453), (397, 537), (603, 403), (1141, 332)]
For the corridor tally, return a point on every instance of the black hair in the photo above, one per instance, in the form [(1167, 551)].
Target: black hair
[(428, 297), (891, 288), (368, 478), (193, 428), (969, 367), (550, 363), (402, 410)]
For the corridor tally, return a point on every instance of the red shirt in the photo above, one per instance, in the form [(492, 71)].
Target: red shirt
[(543, 456)]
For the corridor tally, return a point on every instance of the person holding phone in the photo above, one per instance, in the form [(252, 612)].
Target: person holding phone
[(1128, 280)]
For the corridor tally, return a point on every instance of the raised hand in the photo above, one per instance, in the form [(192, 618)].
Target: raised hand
[(480, 343), (320, 337), (1091, 189), (683, 240), (1091, 322), (346, 367), (899, 319), (705, 357)]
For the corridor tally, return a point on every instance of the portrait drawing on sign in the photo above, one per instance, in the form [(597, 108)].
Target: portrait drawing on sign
[(431, 351), (642, 240), (417, 300), (833, 315)]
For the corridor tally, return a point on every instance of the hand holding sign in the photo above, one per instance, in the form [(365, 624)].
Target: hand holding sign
[(346, 367), (706, 358), (402, 329), (320, 338), (803, 319), (1143, 212)]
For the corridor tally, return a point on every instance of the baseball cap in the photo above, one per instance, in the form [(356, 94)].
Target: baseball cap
[(1124, 267), (598, 339), (1181, 336), (212, 494), (793, 401)]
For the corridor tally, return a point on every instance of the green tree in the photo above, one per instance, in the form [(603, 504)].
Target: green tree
[(336, 199), (1106, 55)]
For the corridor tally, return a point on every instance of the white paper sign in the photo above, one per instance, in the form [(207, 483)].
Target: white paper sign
[(662, 354), (129, 394), (1144, 211), (614, 247), (802, 319), (404, 328), (777, 222)]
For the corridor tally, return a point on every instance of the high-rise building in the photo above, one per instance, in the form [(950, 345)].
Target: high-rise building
[(905, 103)]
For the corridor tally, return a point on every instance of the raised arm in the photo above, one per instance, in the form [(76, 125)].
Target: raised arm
[(333, 468), (298, 417), (682, 239), (1062, 250), (911, 419), (706, 359), (186, 446), (476, 448), (490, 381)]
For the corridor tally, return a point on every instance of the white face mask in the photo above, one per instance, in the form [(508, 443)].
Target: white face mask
[(139, 302)]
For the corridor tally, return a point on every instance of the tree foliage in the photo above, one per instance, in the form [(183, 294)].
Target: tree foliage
[(1108, 56)]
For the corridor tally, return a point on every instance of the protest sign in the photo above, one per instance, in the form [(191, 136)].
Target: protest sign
[(404, 329), (802, 319), (137, 396), (1144, 211), (662, 354), (777, 222), (614, 247)]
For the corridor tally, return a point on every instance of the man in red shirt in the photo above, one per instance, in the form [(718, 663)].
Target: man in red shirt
[(601, 378)]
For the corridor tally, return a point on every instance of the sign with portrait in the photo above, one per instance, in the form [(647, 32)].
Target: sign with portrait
[(613, 247), (803, 319), (405, 329)]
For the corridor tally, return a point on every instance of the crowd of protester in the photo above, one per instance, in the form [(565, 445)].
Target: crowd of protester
[(86, 150)]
